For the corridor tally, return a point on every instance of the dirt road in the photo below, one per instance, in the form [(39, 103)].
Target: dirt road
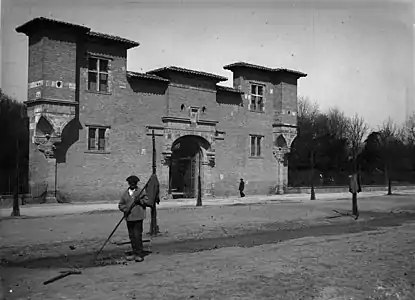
[(242, 252)]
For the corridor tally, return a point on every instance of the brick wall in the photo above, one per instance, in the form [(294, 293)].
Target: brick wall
[(133, 103), (35, 71), (130, 106), (59, 64)]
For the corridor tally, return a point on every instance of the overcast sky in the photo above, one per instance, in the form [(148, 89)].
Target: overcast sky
[(358, 55)]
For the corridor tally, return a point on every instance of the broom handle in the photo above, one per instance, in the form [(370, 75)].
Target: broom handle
[(123, 217)]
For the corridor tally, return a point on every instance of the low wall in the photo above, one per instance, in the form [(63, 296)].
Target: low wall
[(345, 189), (7, 200)]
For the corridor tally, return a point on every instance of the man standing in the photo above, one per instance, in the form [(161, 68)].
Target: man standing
[(134, 219), (241, 188)]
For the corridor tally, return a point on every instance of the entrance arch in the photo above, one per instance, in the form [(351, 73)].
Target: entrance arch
[(187, 154)]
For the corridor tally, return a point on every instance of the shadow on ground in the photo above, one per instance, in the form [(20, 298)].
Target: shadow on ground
[(270, 233)]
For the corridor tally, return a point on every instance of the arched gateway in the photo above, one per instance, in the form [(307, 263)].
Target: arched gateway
[(186, 164)]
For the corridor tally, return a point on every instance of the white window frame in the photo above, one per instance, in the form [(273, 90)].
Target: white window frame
[(98, 73), (97, 129), (255, 97), (258, 144)]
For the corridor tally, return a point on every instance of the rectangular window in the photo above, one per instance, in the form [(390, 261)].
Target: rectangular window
[(256, 145), (257, 98), (92, 138), (97, 139), (98, 74), (101, 139)]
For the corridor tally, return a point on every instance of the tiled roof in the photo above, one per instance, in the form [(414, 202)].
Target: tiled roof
[(228, 89), (247, 65), (188, 71), (37, 21), (34, 23), (114, 38), (146, 76)]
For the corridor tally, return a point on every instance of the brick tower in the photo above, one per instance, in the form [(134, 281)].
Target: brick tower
[(271, 98), (52, 95)]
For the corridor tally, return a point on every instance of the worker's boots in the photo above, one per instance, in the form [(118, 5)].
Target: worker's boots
[(130, 256)]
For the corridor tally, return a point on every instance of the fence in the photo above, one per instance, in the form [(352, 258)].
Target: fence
[(8, 182), (302, 178)]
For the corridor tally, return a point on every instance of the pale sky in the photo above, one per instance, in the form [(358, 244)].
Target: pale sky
[(359, 56)]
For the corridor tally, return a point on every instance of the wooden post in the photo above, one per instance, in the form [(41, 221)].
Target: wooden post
[(199, 184), (154, 229), (56, 177)]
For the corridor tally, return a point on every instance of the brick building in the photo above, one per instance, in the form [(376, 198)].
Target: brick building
[(91, 120)]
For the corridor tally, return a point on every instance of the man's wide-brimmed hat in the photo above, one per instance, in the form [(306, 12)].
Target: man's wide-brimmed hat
[(133, 179)]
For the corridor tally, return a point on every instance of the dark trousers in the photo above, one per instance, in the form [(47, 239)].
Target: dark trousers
[(242, 193), (135, 233)]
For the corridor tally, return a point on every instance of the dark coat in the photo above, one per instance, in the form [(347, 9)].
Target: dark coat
[(241, 185), (138, 212), (153, 191), (354, 186)]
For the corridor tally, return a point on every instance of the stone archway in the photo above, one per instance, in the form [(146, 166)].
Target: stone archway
[(188, 154), (283, 138)]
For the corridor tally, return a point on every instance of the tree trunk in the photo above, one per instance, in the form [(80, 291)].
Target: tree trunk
[(313, 192), (389, 186), (16, 208), (388, 180), (354, 205)]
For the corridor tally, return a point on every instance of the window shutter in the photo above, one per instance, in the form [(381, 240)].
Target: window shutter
[(259, 144), (263, 103), (109, 76), (86, 78), (107, 139), (249, 102), (96, 139), (252, 148)]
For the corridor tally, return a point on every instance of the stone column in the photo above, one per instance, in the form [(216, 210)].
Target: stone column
[(282, 173), (47, 145), (165, 172), (208, 169)]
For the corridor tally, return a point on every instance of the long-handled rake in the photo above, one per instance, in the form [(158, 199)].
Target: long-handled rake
[(122, 219), (77, 271)]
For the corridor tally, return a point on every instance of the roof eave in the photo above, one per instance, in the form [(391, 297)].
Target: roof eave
[(228, 89), (26, 27), (116, 39), (132, 74), (234, 66), (217, 78)]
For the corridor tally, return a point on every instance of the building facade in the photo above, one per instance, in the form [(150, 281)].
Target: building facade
[(91, 120)]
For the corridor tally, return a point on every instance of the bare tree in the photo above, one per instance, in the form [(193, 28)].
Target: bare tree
[(409, 130), (357, 130), (387, 136), (338, 123), (306, 108)]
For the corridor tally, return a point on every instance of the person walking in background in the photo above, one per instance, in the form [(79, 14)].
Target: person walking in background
[(241, 188), (134, 218)]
